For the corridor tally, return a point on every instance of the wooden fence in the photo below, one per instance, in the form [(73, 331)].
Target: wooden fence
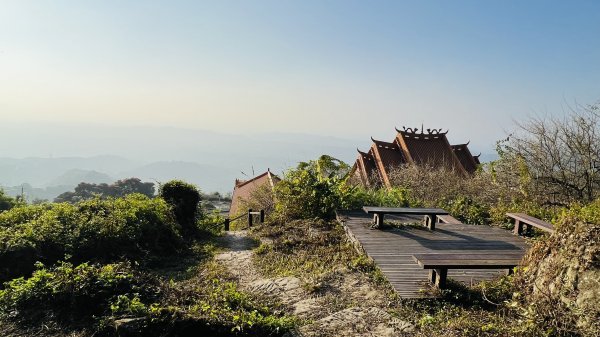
[(249, 215)]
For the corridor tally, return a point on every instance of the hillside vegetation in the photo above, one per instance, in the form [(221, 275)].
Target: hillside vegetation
[(122, 266), (139, 265)]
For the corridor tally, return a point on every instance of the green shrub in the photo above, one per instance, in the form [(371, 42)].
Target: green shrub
[(184, 199), (384, 197), (211, 223), (97, 230), (314, 189), (70, 294), (498, 211), (467, 210)]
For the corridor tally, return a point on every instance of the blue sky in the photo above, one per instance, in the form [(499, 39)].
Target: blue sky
[(350, 69)]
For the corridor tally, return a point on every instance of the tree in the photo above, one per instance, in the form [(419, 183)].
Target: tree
[(183, 199), (6, 202), (557, 159), (121, 188)]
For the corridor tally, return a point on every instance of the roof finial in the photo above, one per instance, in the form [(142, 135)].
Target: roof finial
[(422, 128)]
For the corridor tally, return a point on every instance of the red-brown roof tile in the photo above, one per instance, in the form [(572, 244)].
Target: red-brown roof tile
[(429, 149), (468, 161), (244, 188), (387, 157)]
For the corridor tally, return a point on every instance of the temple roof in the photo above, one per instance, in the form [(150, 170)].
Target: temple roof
[(366, 166), (244, 188), (387, 157), (468, 161), (428, 147)]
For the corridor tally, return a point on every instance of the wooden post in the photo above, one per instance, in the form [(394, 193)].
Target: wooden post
[(432, 276), (378, 220), (440, 280), (250, 217), (429, 221), (227, 224), (518, 227), (262, 216)]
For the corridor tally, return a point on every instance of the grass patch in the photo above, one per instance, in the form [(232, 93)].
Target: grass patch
[(302, 248)]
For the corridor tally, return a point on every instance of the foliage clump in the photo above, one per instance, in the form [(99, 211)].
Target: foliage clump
[(314, 189), (76, 294), (118, 299), (183, 199), (7, 202), (121, 188), (92, 230)]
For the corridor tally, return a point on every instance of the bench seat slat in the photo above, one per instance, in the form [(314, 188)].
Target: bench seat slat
[(404, 210), (467, 261), (531, 220)]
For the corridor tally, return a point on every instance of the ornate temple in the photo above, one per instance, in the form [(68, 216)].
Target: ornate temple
[(411, 146)]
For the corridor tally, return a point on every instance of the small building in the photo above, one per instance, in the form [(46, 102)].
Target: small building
[(412, 147), (244, 190)]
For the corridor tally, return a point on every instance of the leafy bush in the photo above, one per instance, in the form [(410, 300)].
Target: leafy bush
[(314, 189), (467, 210), (184, 199), (384, 197), (498, 211), (211, 223), (69, 294), (98, 230)]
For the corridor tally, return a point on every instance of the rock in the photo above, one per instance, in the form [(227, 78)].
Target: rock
[(130, 327), (561, 280)]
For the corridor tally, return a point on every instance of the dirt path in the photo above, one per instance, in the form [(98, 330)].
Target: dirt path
[(351, 307)]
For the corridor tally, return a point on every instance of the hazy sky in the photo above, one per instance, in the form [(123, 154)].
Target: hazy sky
[(345, 68)]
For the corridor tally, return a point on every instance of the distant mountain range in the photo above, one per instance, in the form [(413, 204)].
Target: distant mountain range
[(51, 158), (40, 178)]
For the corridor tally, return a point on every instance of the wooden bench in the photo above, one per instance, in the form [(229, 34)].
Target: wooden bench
[(438, 264), (430, 214), (529, 221)]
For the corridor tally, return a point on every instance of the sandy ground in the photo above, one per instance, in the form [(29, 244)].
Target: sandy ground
[(350, 306)]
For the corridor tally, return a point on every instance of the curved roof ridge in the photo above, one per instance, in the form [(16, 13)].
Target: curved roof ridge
[(384, 142), (419, 132)]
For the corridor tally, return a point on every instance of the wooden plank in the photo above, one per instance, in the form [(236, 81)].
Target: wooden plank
[(468, 257), (404, 210), (449, 219)]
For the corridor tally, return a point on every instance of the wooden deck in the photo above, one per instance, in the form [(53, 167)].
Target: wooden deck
[(392, 249)]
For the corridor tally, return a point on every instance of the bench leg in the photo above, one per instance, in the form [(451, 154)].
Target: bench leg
[(518, 227), (440, 280), (432, 276), (378, 220), (429, 222)]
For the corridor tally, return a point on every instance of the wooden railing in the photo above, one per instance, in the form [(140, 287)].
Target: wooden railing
[(250, 216)]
